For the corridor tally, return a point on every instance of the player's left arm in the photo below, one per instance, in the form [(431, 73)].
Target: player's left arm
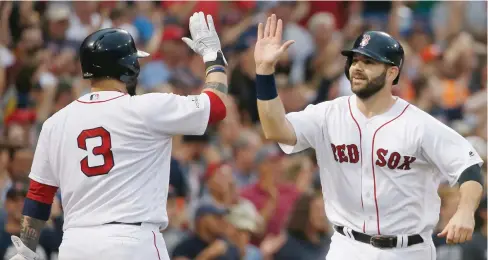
[(471, 188), (206, 42), (460, 164), (461, 226), (170, 114)]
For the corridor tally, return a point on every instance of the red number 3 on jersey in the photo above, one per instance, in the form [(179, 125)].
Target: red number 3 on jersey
[(104, 149)]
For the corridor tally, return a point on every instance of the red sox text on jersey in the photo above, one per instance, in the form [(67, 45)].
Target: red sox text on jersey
[(350, 154)]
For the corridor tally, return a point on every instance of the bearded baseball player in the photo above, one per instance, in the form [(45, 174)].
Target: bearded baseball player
[(109, 151), (381, 159)]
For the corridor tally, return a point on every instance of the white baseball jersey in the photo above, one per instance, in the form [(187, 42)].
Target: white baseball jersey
[(380, 175), (109, 154)]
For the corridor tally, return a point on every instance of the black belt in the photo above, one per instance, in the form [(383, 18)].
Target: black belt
[(380, 241), (120, 223)]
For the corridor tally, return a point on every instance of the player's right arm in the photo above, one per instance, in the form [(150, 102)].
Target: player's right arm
[(271, 110), (294, 131), (37, 204)]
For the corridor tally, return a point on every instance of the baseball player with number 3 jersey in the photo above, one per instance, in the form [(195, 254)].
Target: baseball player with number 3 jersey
[(381, 159), (109, 151)]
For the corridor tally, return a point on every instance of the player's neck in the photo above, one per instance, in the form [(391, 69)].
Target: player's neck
[(376, 104), (108, 85)]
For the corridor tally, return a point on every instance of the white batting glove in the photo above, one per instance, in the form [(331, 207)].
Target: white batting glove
[(23, 252), (205, 40)]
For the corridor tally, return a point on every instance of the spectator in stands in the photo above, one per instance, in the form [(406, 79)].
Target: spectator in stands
[(328, 41), (228, 133), (86, 20), (242, 85), (20, 164), (244, 220), (193, 158), (269, 194), (218, 180), (121, 18), (183, 82), (307, 236), (13, 205), (171, 54), (5, 181), (174, 233), (294, 97), (208, 241), (245, 149), (57, 24)]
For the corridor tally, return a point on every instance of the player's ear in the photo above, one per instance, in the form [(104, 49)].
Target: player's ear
[(392, 72)]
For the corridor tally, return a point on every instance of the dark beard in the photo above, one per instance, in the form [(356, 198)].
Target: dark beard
[(372, 88)]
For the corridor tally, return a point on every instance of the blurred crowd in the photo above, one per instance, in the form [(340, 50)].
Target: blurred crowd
[(233, 195)]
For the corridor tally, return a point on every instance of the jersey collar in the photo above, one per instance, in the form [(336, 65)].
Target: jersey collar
[(100, 96)]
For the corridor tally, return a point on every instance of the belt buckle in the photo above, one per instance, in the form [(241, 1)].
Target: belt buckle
[(383, 241)]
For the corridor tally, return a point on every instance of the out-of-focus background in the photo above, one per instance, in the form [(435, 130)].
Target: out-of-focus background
[(444, 74)]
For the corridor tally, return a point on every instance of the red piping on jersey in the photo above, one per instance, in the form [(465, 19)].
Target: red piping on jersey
[(157, 250), (361, 155), (41, 192), (372, 165), (218, 110), (100, 101)]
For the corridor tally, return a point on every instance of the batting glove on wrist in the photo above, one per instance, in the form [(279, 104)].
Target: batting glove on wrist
[(23, 252), (205, 40)]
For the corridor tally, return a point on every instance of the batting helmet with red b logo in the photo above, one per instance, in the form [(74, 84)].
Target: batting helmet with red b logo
[(378, 46)]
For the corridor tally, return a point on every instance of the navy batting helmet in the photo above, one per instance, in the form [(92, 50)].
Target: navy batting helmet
[(111, 53), (378, 46)]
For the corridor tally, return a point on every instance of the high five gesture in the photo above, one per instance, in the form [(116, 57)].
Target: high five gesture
[(267, 52), (268, 46)]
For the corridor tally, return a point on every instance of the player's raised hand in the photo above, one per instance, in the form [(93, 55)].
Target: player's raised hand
[(269, 48), (204, 38), (460, 228)]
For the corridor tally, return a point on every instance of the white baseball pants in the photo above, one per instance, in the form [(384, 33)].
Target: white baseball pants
[(113, 242), (343, 247)]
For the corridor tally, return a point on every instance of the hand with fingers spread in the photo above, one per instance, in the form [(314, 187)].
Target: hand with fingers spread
[(460, 228), (268, 46), (204, 38)]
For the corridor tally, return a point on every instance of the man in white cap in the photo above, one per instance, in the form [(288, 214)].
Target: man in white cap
[(244, 221)]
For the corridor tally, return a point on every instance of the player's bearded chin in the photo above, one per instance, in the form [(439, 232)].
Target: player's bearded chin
[(372, 87)]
